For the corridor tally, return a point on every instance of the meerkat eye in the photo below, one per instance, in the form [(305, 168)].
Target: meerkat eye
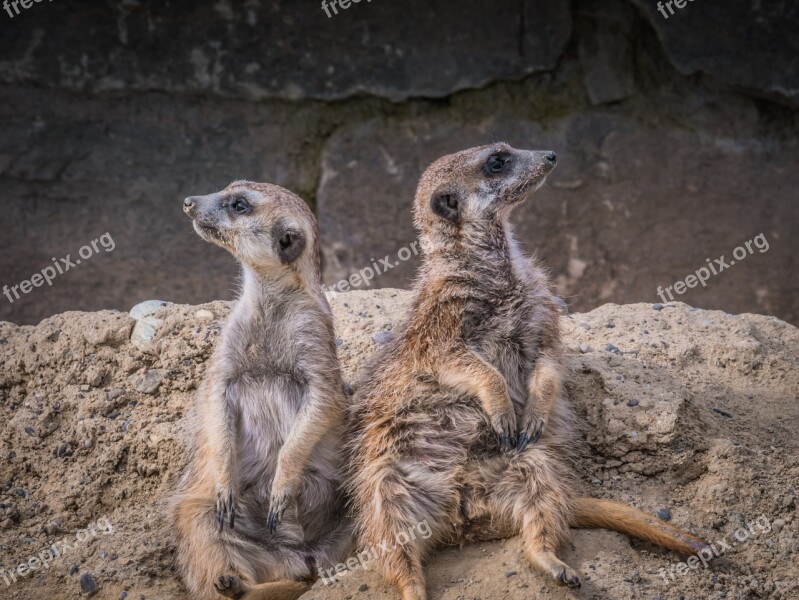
[(240, 206), (285, 241), (497, 163), (452, 201)]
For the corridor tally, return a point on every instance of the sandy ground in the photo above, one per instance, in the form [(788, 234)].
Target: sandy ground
[(687, 413)]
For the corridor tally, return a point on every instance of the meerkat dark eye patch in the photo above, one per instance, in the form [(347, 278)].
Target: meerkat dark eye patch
[(447, 205), (498, 163), (289, 242)]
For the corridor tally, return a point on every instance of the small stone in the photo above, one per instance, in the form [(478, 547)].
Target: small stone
[(146, 324), (7, 524), (612, 348), (585, 348), (52, 528), (664, 514), (363, 587), (204, 315), (102, 554), (123, 596), (383, 337), (95, 376), (632, 403), (778, 525), (510, 573), (585, 326), (147, 382), (658, 306), (87, 584), (635, 576), (73, 569), (723, 413), (11, 455), (610, 325), (339, 341)]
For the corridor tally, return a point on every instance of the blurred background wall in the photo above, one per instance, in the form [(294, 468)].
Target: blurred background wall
[(677, 137)]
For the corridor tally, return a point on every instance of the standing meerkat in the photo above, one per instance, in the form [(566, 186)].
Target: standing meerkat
[(269, 411), (477, 366)]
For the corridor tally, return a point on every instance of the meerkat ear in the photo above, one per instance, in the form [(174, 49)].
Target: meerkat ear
[(288, 242), (448, 206)]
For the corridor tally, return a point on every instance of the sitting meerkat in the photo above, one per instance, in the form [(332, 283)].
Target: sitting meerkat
[(478, 363), (269, 411)]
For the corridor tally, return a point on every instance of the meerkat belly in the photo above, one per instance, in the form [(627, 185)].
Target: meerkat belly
[(268, 410)]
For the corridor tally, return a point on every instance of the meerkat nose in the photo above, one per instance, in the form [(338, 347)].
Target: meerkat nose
[(188, 202), (551, 157)]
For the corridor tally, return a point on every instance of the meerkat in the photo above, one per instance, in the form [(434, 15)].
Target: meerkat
[(269, 411), (478, 365)]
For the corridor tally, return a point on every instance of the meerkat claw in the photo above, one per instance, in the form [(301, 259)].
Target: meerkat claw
[(569, 578), (538, 429), (273, 520), (225, 509), (531, 433), (505, 427), (277, 507)]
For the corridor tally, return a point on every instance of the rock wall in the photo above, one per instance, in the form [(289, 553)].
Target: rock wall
[(677, 137), (686, 413)]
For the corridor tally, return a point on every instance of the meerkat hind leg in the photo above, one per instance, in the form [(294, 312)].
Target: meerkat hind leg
[(231, 586), (538, 509), (545, 561)]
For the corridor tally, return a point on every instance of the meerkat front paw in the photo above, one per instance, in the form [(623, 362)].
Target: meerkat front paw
[(530, 431), (278, 502), (230, 586), (505, 425), (225, 506)]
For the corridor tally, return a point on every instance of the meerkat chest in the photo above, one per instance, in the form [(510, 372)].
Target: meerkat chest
[(270, 379), (503, 332)]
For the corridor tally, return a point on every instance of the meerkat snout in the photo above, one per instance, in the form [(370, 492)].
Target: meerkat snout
[(510, 172), (264, 226)]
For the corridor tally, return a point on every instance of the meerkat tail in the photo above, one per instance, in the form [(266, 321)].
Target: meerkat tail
[(592, 513)]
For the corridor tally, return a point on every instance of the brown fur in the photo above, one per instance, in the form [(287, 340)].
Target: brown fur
[(478, 366), (269, 412)]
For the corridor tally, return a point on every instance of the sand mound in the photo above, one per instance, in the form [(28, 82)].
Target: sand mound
[(687, 413)]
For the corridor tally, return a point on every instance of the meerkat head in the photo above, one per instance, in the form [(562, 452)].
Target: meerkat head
[(266, 227), (475, 187)]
